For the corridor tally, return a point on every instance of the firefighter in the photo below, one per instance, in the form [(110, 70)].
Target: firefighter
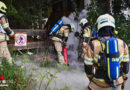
[(85, 34), (95, 73), (60, 38), (5, 33)]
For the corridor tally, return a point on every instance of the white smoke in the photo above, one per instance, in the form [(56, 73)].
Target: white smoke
[(82, 14), (126, 13), (73, 42), (86, 3)]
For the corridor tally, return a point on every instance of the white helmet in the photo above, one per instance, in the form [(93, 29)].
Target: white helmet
[(83, 21), (105, 20)]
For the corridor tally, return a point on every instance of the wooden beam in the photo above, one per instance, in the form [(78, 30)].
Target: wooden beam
[(31, 32), (30, 45)]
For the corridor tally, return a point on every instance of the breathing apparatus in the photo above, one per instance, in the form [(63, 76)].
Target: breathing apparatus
[(56, 27)]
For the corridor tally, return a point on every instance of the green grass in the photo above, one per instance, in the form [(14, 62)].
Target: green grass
[(15, 77), (48, 63), (54, 64)]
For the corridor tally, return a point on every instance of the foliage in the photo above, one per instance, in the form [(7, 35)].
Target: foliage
[(124, 30), (47, 78), (118, 6), (94, 10), (47, 63), (26, 14), (53, 63), (30, 13), (122, 23), (15, 77)]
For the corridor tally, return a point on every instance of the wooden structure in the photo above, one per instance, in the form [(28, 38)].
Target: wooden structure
[(32, 43), (58, 9)]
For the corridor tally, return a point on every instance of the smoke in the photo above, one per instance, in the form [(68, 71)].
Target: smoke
[(86, 3), (74, 79), (69, 19), (82, 14), (73, 42), (126, 13)]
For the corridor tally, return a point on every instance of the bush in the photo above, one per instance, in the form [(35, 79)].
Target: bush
[(15, 77)]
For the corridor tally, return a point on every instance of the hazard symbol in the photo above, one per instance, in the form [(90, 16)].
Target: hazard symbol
[(21, 39)]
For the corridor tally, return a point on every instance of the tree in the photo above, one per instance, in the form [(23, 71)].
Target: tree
[(116, 8), (26, 14)]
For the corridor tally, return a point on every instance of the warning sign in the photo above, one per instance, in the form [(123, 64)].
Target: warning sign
[(21, 39)]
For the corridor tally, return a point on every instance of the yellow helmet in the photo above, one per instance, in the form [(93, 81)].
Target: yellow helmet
[(3, 7)]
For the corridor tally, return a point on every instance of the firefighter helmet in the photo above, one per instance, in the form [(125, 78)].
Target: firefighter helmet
[(83, 21), (3, 7), (105, 20)]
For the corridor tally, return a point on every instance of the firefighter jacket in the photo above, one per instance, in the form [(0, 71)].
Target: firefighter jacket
[(86, 35), (62, 34), (91, 62), (4, 28)]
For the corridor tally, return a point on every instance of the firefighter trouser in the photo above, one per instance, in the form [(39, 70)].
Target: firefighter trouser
[(4, 52), (93, 86), (58, 47)]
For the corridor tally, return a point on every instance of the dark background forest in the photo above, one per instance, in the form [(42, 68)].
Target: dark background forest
[(29, 14)]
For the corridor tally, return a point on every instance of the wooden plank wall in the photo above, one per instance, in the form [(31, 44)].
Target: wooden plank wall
[(30, 44), (31, 32)]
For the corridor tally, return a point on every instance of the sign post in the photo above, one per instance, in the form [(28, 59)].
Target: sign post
[(21, 39)]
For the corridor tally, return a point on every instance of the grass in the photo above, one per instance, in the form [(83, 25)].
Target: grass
[(22, 81), (47, 63), (54, 64), (15, 77)]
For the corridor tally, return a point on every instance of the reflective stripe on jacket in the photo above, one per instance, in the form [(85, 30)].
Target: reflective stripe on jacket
[(92, 57)]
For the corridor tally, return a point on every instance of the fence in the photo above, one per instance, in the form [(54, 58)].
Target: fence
[(31, 44)]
